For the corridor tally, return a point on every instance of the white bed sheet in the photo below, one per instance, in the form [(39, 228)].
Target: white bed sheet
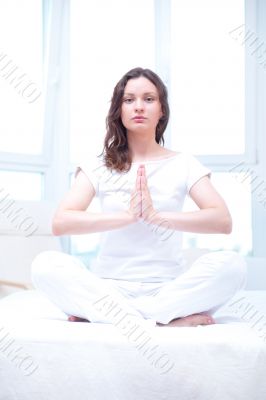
[(225, 361)]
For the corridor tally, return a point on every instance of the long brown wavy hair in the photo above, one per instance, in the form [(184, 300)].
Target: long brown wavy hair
[(116, 154)]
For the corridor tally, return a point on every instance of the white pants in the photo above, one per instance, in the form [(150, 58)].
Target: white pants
[(208, 283)]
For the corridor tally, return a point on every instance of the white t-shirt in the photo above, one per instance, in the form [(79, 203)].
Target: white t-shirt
[(143, 252)]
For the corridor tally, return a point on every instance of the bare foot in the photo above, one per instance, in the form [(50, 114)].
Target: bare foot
[(72, 318), (190, 320)]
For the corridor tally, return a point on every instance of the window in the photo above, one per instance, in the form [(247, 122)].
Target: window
[(207, 77), (208, 106), (21, 100), (107, 39), (21, 185), (21, 77), (235, 187)]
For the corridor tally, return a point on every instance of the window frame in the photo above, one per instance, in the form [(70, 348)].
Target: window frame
[(255, 120)]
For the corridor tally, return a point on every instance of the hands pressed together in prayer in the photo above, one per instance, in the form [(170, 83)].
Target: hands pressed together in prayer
[(141, 205)]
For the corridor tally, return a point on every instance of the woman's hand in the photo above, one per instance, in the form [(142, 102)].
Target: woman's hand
[(135, 201), (147, 210), (141, 205)]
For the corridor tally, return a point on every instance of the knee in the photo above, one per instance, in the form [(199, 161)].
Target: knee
[(233, 268), (42, 266)]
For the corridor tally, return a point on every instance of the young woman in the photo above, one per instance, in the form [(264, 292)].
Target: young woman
[(141, 186)]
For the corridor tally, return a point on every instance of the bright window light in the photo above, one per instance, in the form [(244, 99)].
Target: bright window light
[(21, 185), (235, 188), (207, 77), (108, 38), (21, 76)]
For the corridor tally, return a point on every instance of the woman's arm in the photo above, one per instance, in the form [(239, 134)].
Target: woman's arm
[(213, 216), (71, 217)]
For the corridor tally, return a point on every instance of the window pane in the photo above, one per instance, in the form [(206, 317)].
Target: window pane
[(107, 39), (207, 77), (236, 191), (20, 185), (21, 76), (86, 246)]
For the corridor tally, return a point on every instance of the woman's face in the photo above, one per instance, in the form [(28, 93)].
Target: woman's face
[(141, 107)]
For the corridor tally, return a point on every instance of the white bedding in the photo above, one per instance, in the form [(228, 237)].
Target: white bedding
[(65, 361)]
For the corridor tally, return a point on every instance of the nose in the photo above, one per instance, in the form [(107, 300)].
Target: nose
[(139, 105)]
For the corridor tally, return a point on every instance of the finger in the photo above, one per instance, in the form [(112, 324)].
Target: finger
[(143, 175), (135, 201), (144, 190), (139, 183), (144, 186), (140, 169)]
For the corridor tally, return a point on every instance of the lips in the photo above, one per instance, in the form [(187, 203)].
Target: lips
[(139, 118)]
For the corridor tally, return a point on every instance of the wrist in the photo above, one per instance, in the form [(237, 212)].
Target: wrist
[(131, 218), (154, 217)]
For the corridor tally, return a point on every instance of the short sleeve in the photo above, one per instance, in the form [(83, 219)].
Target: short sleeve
[(195, 171), (93, 170)]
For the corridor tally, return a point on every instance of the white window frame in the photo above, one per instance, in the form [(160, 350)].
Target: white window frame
[(255, 119), (55, 89), (259, 79)]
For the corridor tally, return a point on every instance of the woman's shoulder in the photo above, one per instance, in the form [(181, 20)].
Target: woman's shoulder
[(185, 160)]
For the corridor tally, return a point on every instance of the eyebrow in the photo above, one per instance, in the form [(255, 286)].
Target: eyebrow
[(145, 94)]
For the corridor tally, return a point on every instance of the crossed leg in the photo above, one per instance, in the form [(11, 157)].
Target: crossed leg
[(192, 298), (187, 300)]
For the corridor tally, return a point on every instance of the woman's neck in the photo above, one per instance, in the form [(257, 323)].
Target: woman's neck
[(159, 152)]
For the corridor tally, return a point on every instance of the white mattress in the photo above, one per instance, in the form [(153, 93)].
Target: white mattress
[(65, 360)]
